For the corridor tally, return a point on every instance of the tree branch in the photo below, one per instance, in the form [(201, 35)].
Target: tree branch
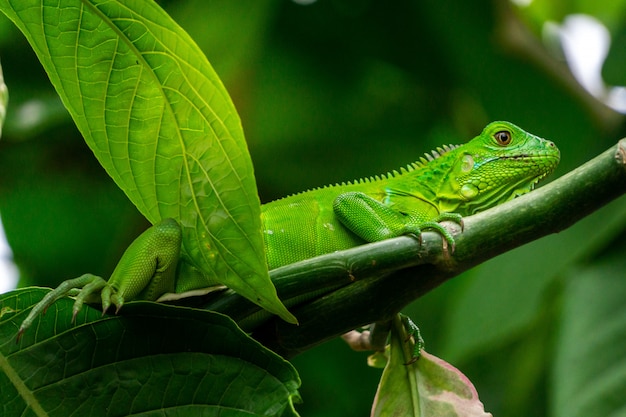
[(372, 282)]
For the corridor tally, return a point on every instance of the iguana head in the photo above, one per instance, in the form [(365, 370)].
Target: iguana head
[(500, 164)]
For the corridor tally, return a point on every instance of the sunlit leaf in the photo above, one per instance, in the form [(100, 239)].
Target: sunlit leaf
[(161, 123), (151, 360)]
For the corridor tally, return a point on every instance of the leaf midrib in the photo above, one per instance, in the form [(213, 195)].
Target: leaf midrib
[(28, 395)]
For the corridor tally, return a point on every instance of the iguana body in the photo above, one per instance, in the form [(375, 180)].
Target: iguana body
[(452, 181), (502, 162)]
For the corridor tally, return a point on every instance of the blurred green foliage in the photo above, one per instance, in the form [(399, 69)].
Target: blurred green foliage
[(341, 89)]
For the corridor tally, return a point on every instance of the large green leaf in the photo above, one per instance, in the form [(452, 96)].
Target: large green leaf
[(153, 360), (161, 123)]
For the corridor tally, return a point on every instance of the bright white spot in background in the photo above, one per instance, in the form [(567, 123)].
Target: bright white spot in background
[(616, 99), (30, 114), (585, 42), (8, 270), (304, 2), (522, 3)]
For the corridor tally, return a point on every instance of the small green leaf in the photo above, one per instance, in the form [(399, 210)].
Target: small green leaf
[(152, 360), (428, 387), (159, 120)]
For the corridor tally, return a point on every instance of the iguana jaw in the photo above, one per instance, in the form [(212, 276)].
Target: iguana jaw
[(516, 174), (530, 185), (527, 187)]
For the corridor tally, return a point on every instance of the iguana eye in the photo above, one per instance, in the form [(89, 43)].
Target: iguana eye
[(503, 137)]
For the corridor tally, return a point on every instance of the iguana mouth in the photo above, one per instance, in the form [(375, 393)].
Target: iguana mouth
[(523, 156)]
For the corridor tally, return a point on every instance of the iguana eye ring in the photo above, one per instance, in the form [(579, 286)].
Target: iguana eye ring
[(503, 137)]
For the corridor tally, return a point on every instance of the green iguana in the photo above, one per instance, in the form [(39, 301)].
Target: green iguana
[(501, 163)]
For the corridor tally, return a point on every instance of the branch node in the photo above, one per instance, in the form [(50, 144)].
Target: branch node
[(620, 154)]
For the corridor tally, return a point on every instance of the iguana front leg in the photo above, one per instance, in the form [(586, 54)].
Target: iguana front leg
[(146, 270), (374, 221)]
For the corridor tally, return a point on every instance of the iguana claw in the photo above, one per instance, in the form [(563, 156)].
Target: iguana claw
[(448, 239), (413, 332), (90, 286)]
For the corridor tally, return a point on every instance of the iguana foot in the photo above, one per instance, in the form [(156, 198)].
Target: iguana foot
[(413, 332), (448, 239), (376, 337), (87, 288), (451, 217)]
